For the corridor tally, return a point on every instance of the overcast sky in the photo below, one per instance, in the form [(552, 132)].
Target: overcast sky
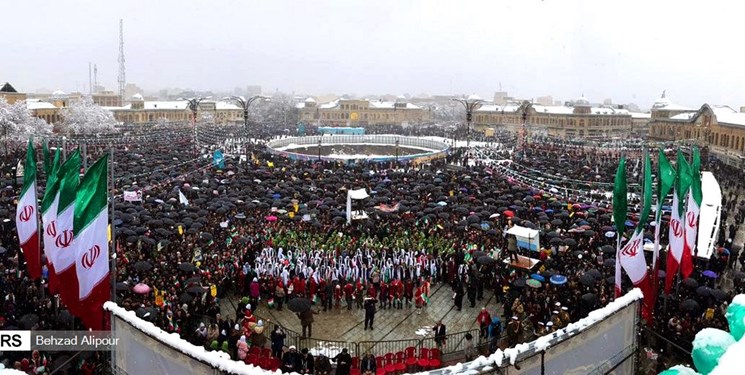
[(627, 50)]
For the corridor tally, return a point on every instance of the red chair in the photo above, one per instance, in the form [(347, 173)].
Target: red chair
[(400, 362), (255, 350), (266, 352), (250, 359), (380, 365), (275, 364), (423, 361), (390, 366), (355, 369), (435, 358), (265, 363), (410, 356)]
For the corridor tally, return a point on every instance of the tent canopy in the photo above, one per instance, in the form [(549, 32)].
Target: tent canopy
[(523, 232)]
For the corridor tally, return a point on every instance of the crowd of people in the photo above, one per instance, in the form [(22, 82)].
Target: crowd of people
[(274, 229)]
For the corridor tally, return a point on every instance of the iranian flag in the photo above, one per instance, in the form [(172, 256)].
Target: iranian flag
[(632, 254), (620, 207), (64, 262), (91, 243), (665, 181), (27, 222), (677, 227), (691, 218), (49, 220)]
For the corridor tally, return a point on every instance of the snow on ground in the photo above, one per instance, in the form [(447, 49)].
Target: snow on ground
[(731, 362)]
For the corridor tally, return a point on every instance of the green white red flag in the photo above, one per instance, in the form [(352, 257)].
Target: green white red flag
[(27, 222)]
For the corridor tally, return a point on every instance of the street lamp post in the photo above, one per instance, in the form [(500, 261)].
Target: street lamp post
[(245, 104), (319, 149), (470, 104), (397, 151), (193, 105)]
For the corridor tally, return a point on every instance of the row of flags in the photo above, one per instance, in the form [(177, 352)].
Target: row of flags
[(75, 220), (685, 182)]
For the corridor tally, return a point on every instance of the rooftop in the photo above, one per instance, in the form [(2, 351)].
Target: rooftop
[(7, 87)]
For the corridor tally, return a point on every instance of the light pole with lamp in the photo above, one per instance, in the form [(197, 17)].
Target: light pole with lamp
[(193, 105), (470, 104), (245, 104), (319, 149), (397, 143)]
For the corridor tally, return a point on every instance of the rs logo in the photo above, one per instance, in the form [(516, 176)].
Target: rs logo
[(90, 256), (691, 217), (64, 239), (26, 213), (676, 227), (631, 248), (52, 229)]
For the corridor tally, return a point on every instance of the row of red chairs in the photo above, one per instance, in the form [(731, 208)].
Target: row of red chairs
[(396, 363), (266, 363), (260, 352)]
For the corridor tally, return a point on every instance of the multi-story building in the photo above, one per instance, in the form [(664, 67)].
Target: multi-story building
[(721, 128), (140, 111), (9, 93), (577, 119), (107, 99), (362, 112)]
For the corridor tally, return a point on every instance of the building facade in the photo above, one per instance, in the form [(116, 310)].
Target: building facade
[(140, 111), (360, 112), (721, 128), (578, 119)]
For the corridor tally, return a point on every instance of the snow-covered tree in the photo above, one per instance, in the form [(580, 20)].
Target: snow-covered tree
[(17, 123), (449, 111), (85, 118), (280, 110), (206, 118)]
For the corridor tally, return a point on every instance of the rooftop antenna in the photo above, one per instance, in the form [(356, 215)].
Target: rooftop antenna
[(95, 76), (90, 80), (122, 76)]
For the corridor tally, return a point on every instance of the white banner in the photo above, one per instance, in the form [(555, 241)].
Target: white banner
[(133, 196)]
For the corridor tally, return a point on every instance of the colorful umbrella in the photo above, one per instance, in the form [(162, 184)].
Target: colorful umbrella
[(533, 283), (141, 289), (558, 279)]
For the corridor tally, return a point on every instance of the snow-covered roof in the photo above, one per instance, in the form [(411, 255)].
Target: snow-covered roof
[(34, 104), (664, 103), (58, 94), (310, 100), (224, 106), (137, 97), (497, 108), (474, 97), (685, 116), (608, 111), (299, 105), (735, 118), (330, 105), (641, 115), (553, 109)]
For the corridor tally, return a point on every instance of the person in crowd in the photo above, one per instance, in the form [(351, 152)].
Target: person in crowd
[(307, 362), (278, 341), (323, 365), (343, 362), (440, 333), (368, 364), (369, 313), (291, 360)]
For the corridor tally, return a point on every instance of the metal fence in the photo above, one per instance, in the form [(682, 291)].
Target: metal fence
[(389, 346), (437, 150)]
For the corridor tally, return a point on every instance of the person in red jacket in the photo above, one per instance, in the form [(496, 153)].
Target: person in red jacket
[(408, 291), (359, 294), (313, 289), (484, 319), (348, 293), (384, 295), (418, 300)]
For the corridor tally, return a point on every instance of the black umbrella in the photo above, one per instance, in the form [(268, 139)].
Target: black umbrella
[(570, 242), (185, 298), (556, 222), (142, 266), (608, 249), (703, 291), (3, 250), (519, 283), (739, 275), (121, 286), (595, 273), (691, 283), (299, 304), (690, 305), (187, 267), (196, 290), (28, 321), (589, 297), (718, 294), (486, 260), (609, 262), (477, 254), (587, 279)]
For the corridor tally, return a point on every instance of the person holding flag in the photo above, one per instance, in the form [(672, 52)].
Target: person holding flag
[(27, 222), (677, 227)]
